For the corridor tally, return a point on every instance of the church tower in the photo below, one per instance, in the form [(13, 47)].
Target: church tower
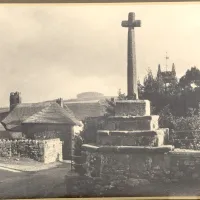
[(166, 77), (173, 70)]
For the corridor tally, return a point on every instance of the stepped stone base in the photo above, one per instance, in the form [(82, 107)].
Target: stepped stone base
[(130, 123), (133, 138), (132, 107)]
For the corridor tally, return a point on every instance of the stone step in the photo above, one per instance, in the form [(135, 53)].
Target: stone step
[(131, 123), (133, 107), (133, 138)]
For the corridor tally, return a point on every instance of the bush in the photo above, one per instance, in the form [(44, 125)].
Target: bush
[(186, 132), (187, 123), (166, 119)]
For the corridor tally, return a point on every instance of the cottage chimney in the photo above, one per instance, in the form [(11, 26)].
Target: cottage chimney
[(60, 102), (15, 99)]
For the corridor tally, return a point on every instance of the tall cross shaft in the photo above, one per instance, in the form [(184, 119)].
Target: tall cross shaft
[(132, 89)]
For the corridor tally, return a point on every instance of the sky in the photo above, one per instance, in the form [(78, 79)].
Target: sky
[(53, 51)]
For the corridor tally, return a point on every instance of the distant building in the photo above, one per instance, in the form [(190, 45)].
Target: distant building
[(90, 96), (88, 105), (83, 109)]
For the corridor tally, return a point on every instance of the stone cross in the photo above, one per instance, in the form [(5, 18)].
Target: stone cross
[(132, 90)]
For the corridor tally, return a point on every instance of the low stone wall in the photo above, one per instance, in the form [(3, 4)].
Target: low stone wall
[(152, 163), (185, 165), (128, 161), (115, 171), (53, 151), (40, 150), (5, 148)]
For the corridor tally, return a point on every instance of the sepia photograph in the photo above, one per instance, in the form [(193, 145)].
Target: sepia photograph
[(99, 100)]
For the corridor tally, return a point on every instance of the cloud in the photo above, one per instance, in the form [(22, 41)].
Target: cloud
[(49, 51)]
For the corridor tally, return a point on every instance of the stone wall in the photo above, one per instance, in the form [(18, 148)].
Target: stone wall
[(52, 151), (127, 171), (46, 151), (152, 163), (5, 148), (184, 165), (46, 131), (127, 161)]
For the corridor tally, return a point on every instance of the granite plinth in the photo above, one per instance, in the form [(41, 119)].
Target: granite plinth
[(132, 107), (132, 138), (130, 123)]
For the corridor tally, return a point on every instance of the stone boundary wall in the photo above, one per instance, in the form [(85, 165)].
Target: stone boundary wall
[(132, 170), (46, 151), (151, 163)]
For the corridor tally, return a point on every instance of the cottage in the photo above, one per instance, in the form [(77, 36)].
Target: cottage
[(42, 121)]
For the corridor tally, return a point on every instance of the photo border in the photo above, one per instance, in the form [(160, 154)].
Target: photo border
[(107, 2)]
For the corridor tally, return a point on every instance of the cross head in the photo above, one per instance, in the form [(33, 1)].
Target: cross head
[(131, 23)]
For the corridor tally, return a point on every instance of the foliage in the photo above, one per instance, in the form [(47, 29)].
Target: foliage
[(187, 123), (140, 90), (110, 103), (182, 96), (185, 132), (110, 107), (121, 96), (192, 76), (166, 119)]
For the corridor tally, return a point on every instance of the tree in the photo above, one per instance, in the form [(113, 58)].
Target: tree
[(140, 90), (166, 118), (192, 76), (153, 92), (189, 87), (149, 83)]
